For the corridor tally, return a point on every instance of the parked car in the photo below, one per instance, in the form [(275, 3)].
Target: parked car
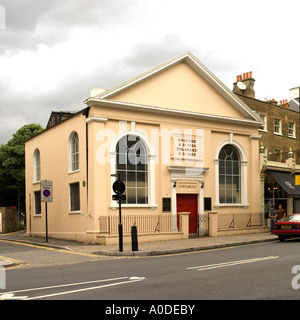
[(288, 227)]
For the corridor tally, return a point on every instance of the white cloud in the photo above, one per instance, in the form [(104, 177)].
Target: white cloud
[(52, 52)]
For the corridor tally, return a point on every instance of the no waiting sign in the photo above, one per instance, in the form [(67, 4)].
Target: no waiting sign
[(46, 191)]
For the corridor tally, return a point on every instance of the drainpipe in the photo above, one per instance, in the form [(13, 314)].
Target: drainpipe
[(86, 113)]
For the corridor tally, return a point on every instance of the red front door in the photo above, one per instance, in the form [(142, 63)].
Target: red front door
[(188, 203)]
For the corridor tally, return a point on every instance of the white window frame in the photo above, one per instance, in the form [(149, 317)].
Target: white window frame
[(35, 203), (244, 179), (71, 153), (70, 198), (293, 135), (151, 168), (36, 165), (226, 189), (264, 120), (132, 189), (279, 126)]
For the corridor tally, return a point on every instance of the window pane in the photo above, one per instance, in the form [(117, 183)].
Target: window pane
[(228, 167), (131, 176), (141, 195), (222, 181), (75, 152), (37, 202), (228, 198), (37, 166), (236, 168), (221, 166), (229, 175), (236, 182), (131, 195), (121, 161), (74, 197), (122, 175), (131, 163), (222, 196)]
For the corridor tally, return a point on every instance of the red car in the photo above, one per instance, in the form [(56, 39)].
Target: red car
[(288, 227)]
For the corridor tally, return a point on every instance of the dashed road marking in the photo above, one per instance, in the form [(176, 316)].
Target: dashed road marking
[(230, 263)]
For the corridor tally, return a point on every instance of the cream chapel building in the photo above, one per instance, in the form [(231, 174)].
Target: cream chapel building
[(180, 141)]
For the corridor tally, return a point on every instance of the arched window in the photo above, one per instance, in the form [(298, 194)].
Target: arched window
[(229, 175), (73, 152), (36, 165), (132, 165)]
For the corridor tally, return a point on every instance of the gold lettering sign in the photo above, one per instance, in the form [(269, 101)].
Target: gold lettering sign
[(187, 147), (187, 187)]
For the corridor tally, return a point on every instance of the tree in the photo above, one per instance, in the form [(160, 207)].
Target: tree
[(12, 167)]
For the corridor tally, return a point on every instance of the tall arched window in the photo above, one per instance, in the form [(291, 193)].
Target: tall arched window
[(132, 165), (229, 175), (36, 165), (73, 152)]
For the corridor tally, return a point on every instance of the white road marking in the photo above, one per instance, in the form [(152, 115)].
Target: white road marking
[(10, 294), (87, 289), (230, 263), (64, 285)]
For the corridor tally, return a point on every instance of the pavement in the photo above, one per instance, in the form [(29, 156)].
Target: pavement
[(144, 249)]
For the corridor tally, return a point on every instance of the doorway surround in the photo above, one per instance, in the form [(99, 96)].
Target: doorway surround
[(187, 174)]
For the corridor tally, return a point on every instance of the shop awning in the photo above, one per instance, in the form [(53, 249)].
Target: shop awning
[(286, 182)]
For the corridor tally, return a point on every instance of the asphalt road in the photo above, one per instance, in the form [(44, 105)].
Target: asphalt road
[(250, 272)]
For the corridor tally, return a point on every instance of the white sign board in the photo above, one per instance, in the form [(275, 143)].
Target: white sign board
[(189, 147), (46, 191)]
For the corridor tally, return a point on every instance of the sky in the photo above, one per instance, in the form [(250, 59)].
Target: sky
[(53, 52)]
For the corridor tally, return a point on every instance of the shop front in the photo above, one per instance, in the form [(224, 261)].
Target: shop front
[(280, 189)]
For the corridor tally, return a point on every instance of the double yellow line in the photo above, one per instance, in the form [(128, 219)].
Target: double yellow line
[(48, 248)]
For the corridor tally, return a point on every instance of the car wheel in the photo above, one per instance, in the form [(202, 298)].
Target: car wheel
[(281, 238)]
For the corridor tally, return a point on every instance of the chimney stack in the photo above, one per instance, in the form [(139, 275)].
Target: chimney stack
[(284, 103), (244, 85)]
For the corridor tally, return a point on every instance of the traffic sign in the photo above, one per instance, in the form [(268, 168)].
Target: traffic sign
[(119, 187), (46, 191), (121, 197)]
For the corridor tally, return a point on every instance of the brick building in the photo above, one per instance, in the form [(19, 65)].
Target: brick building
[(279, 145)]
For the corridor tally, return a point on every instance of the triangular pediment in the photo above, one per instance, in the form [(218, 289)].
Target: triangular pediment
[(181, 84)]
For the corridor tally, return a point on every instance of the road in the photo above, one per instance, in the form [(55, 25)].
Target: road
[(261, 271)]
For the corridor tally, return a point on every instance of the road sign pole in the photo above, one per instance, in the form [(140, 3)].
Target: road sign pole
[(46, 221), (46, 196), (120, 223)]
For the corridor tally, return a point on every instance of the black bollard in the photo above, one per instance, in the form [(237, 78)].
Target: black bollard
[(134, 239)]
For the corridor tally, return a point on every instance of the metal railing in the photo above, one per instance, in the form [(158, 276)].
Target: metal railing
[(239, 220), (145, 223)]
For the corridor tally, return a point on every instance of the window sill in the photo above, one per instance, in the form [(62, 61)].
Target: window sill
[(75, 171), (114, 206), (277, 134), (75, 212), (222, 205)]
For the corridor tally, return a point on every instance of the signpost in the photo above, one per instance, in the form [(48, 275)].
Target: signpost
[(46, 196), (119, 188)]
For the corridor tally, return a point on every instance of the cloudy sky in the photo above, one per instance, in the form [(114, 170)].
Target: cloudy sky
[(53, 52)]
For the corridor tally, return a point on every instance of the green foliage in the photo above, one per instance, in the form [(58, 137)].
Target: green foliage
[(12, 164)]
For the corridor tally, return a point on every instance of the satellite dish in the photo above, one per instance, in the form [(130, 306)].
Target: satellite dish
[(241, 85)]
